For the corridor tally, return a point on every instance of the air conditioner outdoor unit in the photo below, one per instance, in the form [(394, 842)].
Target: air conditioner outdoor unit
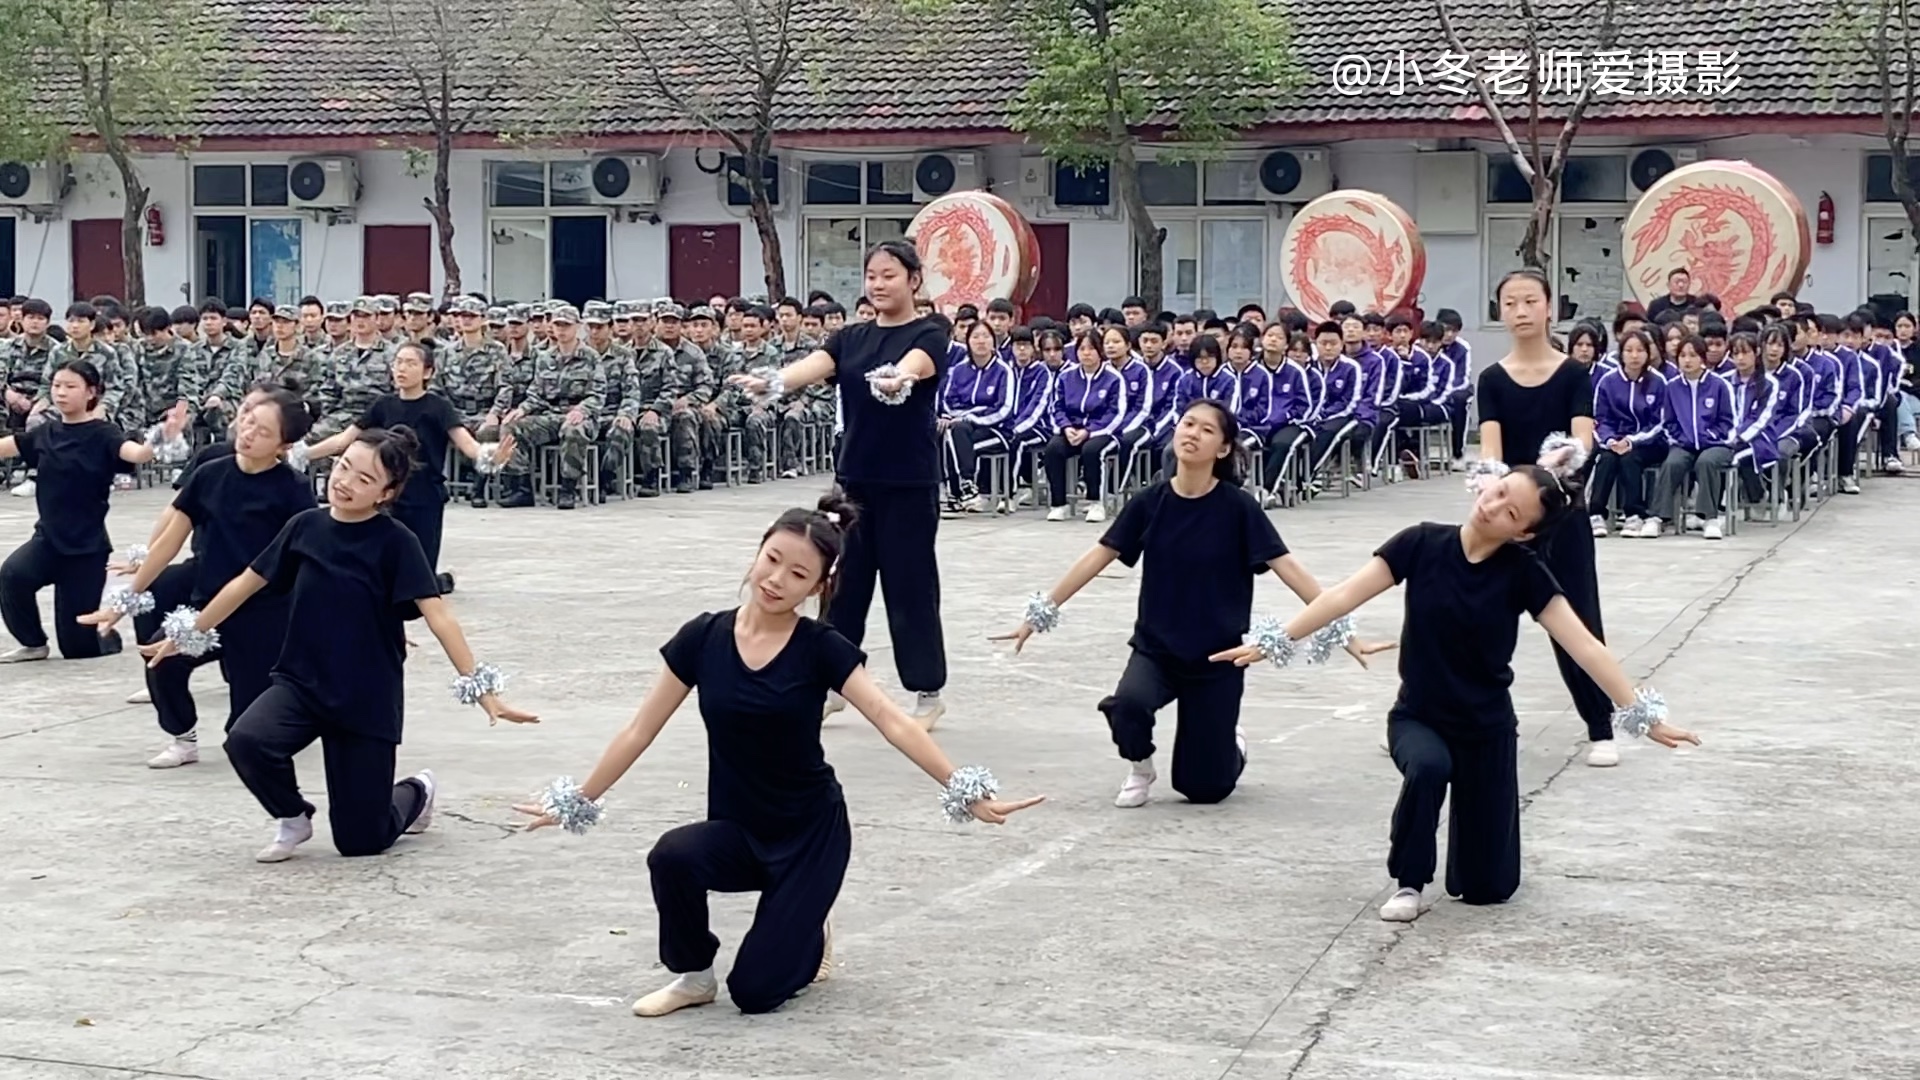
[(1296, 175), (1647, 164), (935, 175), (33, 183), (626, 180), (323, 183)]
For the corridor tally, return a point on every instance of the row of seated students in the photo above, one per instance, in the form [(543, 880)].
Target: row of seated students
[(1107, 386)]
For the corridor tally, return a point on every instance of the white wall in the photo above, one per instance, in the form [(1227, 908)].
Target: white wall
[(1100, 247)]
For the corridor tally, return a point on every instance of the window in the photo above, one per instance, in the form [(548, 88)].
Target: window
[(273, 256), (1231, 183), (239, 185), (1169, 184), (518, 258), (858, 183), (516, 183), (1585, 178), (1880, 176), (269, 185), (570, 184), (833, 183), (1214, 262), (1889, 261), (836, 251), (1582, 252)]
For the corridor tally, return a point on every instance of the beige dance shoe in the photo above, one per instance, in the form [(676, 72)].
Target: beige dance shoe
[(826, 956), (684, 992)]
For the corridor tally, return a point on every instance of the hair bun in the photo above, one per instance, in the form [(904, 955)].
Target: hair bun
[(404, 435), (839, 510)]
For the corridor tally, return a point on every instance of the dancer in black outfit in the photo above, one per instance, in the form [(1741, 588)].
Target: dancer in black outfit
[(888, 372), (776, 818), (232, 507), (422, 504), (356, 575), (76, 457), (1535, 392), (1201, 540), (1452, 727)]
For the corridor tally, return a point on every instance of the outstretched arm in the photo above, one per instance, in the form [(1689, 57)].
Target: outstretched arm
[(225, 603), (1293, 574), (1084, 569), (1563, 624), (333, 445), (453, 641), (1343, 599), (912, 740)]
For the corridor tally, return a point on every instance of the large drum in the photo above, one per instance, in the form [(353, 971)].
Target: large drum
[(975, 247), (1355, 246), (1739, 233)]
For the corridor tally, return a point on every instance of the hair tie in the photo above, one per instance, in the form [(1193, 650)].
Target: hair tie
[(833, 517)]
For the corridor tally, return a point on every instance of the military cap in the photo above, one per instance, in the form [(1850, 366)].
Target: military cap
[(386, 304), (667, 309), (540, 309), (465, 305), (517, 314), (286, 312), (625, 309), (597, 313), (564, 313), (496, 316), (339, 309), (703, 312), (419, 303), (364, 305)]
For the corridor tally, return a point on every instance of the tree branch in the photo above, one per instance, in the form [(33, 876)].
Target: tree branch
[(1486, 96)]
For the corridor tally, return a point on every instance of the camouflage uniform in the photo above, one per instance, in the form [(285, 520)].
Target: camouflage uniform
[(168, 375), (224, 373), (691, 378), (516, 375), (469, 375), (22, 362), (120, 400), (304, 366), (560, 383), (355, 376), (653, 405), (756, 421), (620, 408), (814, 405)]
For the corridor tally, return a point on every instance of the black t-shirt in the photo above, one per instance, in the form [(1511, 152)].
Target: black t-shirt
[(203, 456), (1528, 414), (1201, 556), (235, 515), (893, 445), (766, 768), (76, 464), (1462, 621), (431, 417), (354, 587)]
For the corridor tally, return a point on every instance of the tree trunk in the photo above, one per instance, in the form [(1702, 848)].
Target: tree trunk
[(1533, 245), (773, 263), (1148, 238), (442, 210), (133, 230)]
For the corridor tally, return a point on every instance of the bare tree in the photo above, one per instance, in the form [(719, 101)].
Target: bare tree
[(1542, 164), (1890, 53)]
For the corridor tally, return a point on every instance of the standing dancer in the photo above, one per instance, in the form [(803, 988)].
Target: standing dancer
[(76, 459), (1200, 539), (422, 504), (889, 465), (233, 507), (1453, 724), (1532, 393), (356, 575), (776, 816)]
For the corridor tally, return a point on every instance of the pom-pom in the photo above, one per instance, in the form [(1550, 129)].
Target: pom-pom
[(127, 602), (34, 420), (776, 385), (1329, 639), (889, 371), (1562, 455), (135, 556), (297, 457), (168, 451), (486, 679), (1042, 613), (485, 462), (1648, 709), (1483, 472), (188, 639), (968, 785), (1270, 637), (569, 807)]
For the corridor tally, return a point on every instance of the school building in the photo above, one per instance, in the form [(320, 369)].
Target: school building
[(289, 190)]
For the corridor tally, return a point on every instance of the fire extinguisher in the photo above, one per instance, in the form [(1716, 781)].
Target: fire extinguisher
[(156, 230), (1823, 220)]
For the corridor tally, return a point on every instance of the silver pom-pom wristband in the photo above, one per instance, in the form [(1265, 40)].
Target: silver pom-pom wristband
[(485, 463), (1648, 709), (569, 807), (127, 602), (1482, 472), (1572, 451), (1329, 639), (776, 385), (1270, 637), (188, 639), (167, 451), (297, 457), (968, 785), (486, 679), (889, 371), (1042, 613), (135, 556)]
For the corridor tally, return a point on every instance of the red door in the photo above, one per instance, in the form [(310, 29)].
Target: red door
[(396, 259), (99, 268), (1050, 297), (703, 261)]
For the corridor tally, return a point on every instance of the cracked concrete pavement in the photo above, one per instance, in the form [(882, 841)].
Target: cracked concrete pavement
[(1741, 910)]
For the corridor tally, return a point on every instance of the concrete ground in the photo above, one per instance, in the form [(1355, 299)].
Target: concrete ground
[(1740, 910)]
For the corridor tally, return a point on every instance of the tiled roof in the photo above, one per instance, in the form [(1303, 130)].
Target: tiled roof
[(307, 72)]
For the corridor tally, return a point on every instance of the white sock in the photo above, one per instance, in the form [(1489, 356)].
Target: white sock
[(695, 982), (190, 737), (1143, 767)]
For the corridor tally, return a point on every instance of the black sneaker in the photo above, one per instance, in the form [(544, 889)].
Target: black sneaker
[(646, 493), (565, 498), (683, 486)]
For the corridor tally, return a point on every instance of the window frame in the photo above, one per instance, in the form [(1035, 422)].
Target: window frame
[(246, 203), (1889, 212), (1198, 216), (809, 221), (1520, 211)]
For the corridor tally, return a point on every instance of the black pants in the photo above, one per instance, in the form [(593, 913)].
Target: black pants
[(1628, 472), (250, 643), (1889, 434), (798, 882), (1812, 436), (1417, 414), (365, 808), (1483, 829), (172, 588), (1850, 443), (1456, 411), (1568, 552), (962, 444), (1091, 453), (1330, 435), (77, 581), (1281, 446), (425, 518), (892, 542), (1206, 759)]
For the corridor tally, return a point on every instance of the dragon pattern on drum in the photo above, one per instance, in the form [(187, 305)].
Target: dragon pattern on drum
[(1352, 245), (975, 247), (1740, 234)]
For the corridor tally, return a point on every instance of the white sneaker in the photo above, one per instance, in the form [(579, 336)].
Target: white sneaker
[(1603, 754), (293, 832), (23, 490), (1403, 906), (1713, 530), (178, 752), (1910, 441), (1893, 465), (1650, 529), (1693, 522), (834, 704), (24, 653), (140, 697), (1097, 512), (1022, 497), (1138, 786), (1059, 513), (1631, 526), (1599, 525), (1849, 486), (928, 709), (425, 776), (980, 504), (693, 988)]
